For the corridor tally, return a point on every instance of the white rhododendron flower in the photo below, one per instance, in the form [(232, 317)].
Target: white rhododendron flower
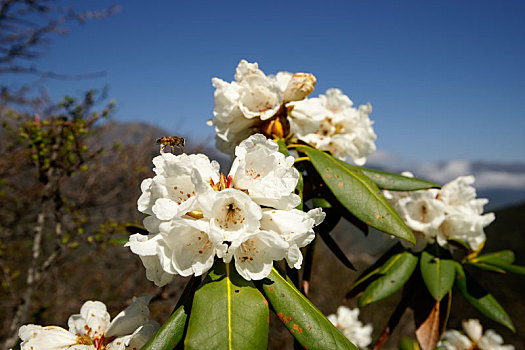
[(92, 329), (171, 192), (451, 213), (464, 221), (242, 106), (279, 105), (294, 227), (267, 174), (473, 338), (331, 122), (233, 214), (259, 95), (254, 253), (347, 321), (197, 215)]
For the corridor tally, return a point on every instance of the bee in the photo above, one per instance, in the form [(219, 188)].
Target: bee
[(171, 141)]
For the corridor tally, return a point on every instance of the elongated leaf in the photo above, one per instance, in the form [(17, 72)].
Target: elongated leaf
[(306, 323), (397, 182), (481, 299), (486, 267), (172, 332), (504, 257), (394, 274), (324, 229), (513, 268), (370, 273), (282, 146), (358, 194), (338, 252), (228, 312), (499, 262), (438, 274), (119, 241)]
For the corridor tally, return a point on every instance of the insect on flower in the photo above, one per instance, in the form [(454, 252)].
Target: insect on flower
[(171, 141)]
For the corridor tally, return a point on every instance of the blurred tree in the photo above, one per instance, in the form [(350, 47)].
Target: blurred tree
[(26, 27)]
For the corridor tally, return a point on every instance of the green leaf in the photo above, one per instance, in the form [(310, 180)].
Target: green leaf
[(306, 323), (438, 274), (397, 182), (172, 332), (481, 299), (118, 241), (393, 275), (370, 273), (499, 262), (228, 312), (486, 267), (321, 203), (408, 344), (504, 257), (358, 194), (282, 146), (513, 268)]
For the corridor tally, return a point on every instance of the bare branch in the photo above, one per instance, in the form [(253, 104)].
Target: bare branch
[(26, 26)]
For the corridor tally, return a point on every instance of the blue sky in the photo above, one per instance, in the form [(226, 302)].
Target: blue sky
[(446, 79)]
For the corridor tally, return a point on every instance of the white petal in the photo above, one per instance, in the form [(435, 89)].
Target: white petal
[(144, 202), (348, 323), (473, 329), (171, 193), (454, 340), (142, 335), (155, 272), (294, 257), (493, 341), (92, 321), (331, 122), (192, 251), (165, 209), (267, 175), (131, 318), (119, 343), (254, 257), (234, 215), (51, 337), (295, 226), (259, 96), (143, 245)]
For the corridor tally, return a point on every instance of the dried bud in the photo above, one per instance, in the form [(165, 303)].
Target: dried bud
[(299, 87)]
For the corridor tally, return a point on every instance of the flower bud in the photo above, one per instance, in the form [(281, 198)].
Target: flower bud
[(299, 87)]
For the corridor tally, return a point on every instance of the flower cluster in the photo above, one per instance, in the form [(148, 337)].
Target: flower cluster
[(473, 338), (451, 213), (92, 329), (348, 323), (196, 214), (278, 105)]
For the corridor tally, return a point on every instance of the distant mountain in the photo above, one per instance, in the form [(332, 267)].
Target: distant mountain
[(138, 132), (129, 133)]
